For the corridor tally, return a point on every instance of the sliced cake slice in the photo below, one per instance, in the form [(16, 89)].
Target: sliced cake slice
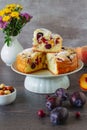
[(45, 41), (62, 62), (29, 61)]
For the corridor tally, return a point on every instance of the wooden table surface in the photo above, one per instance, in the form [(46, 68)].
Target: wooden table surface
[(22, 114)]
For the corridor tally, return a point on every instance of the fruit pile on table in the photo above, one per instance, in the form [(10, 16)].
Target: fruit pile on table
[(54, 104)]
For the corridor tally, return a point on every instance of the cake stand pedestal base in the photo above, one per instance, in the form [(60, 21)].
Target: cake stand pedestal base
[(46, 85)]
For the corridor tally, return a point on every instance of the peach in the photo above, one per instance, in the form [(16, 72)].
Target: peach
[(82, 53), (83, 81)]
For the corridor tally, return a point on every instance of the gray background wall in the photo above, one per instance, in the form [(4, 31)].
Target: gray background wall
[(66, 17)]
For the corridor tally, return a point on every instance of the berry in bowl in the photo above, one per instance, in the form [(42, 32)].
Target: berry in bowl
[(7, 94)]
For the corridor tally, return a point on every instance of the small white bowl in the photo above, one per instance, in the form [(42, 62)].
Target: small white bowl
[(8, 99)]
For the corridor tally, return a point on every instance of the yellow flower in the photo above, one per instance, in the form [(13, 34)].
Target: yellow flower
[(7, 11), (6, 18), (15, 14), (2, 12), (11, 6)]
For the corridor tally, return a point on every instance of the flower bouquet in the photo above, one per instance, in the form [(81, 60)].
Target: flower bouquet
[(12, 20)]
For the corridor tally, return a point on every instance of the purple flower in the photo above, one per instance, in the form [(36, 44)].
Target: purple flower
[(27, 16), (0, 18), (5, 25), (2, 24)]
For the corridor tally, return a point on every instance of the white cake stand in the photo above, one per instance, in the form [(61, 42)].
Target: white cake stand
[(44, 82)]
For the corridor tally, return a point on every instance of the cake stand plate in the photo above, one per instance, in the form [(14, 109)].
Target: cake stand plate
[(44, 82)]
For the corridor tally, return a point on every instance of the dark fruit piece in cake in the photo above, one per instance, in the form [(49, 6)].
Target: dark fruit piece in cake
[(37, 61), (48, 46), (44, 40), (77, 99), (33, 65), (57, 40), (62, 93), (59, 115), (40, 34)]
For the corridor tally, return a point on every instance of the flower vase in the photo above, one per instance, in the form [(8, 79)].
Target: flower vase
[(9, 53)]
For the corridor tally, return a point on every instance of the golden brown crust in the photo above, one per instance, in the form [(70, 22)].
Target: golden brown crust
[(30, 62), (67, 65)]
